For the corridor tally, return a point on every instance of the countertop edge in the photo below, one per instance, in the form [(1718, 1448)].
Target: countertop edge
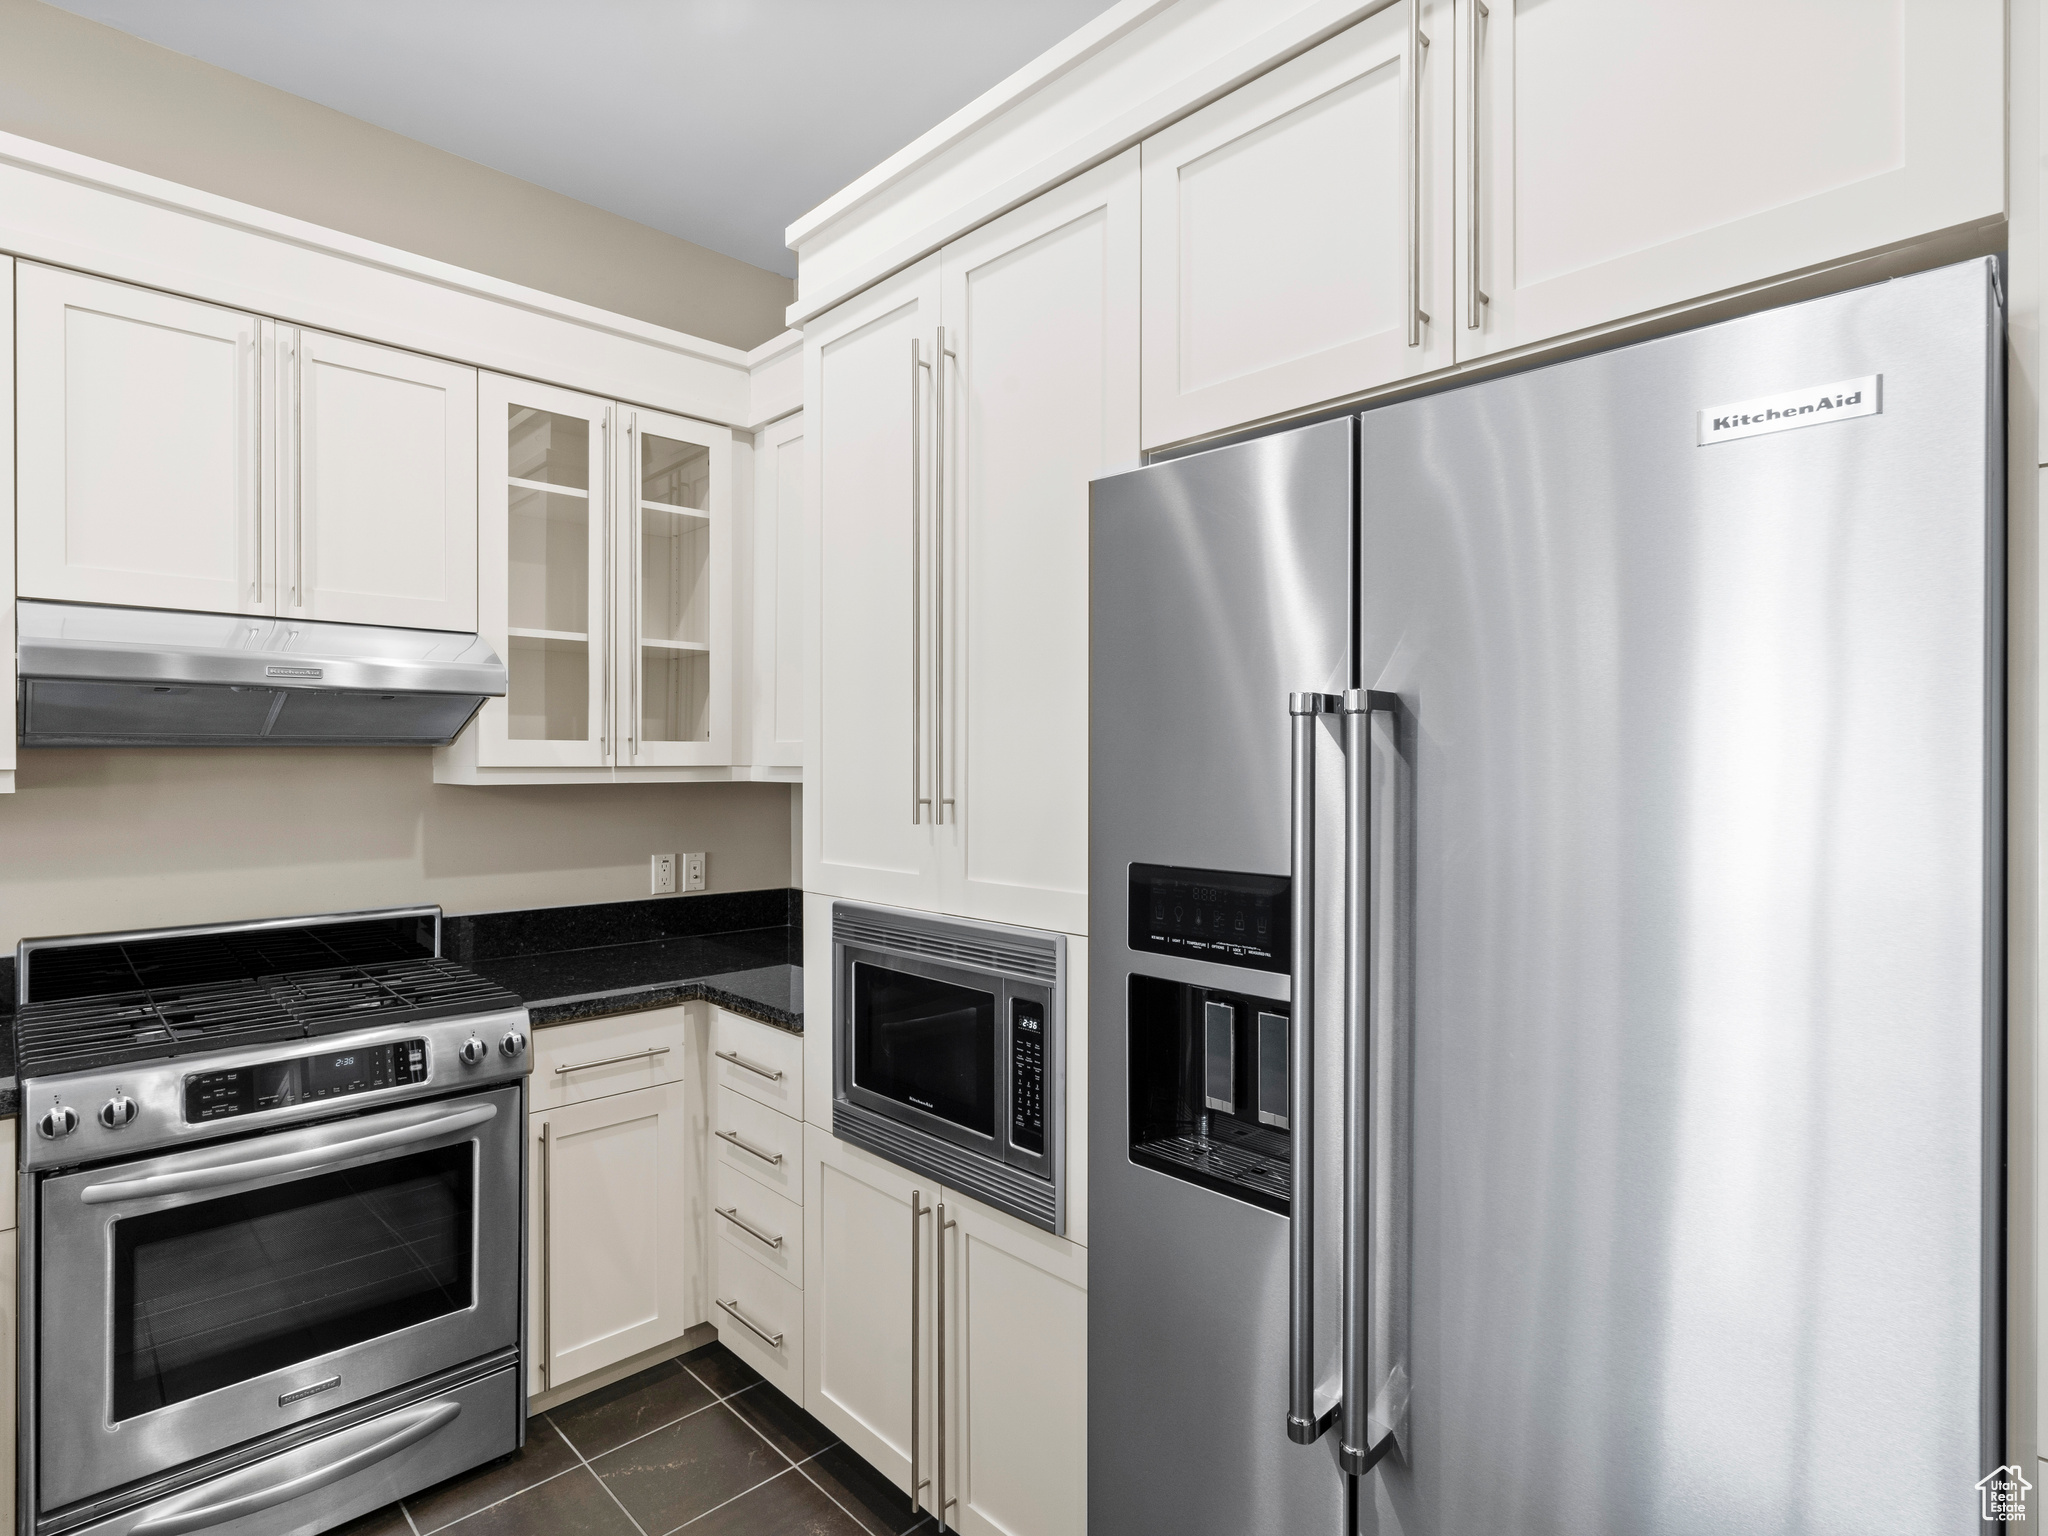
[(597, 1005)]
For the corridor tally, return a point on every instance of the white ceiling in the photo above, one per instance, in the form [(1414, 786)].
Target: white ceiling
[(720, 121)]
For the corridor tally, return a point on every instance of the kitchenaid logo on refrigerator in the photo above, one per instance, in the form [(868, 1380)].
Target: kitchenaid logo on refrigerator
[(1795, 408)]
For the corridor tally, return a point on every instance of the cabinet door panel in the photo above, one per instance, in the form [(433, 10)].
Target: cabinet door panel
[(1863, 124), (1041, 308), (139, 447), (778, 533), (1278, 238), (1016, 1376), (544, 574), (381, 528), (868, 822), (614, 1198), (858, 1312)]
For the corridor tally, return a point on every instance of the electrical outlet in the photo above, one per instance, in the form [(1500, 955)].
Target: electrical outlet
[(664, 874), (693, 871)]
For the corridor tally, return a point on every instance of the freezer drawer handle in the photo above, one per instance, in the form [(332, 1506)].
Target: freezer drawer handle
[(289, 1162), (773, 1074), (1353, 1451), (732, 1214), (748, 1147), (613, 1061), (772, 1340), (241, 1499), (1303, 1426)]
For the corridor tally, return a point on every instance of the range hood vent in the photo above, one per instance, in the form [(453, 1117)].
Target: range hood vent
[(149, 677)]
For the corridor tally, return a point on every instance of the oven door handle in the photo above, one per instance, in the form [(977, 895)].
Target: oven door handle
[(243, 1171), (247, 1493)]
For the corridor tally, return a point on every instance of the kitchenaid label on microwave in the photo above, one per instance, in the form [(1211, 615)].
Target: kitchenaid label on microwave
[(1795, 408)]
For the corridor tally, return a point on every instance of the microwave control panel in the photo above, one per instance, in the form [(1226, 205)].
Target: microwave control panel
[(1027, 1074), (303, 1080)]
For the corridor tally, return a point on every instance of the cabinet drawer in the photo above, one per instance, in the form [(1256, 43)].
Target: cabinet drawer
[(759, 1060), (759, 1142), (588, 1060), (741, 1209), (760, 1317)]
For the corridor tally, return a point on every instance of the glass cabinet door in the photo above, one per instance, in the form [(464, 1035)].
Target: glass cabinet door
[(542, 539), (674, 565)]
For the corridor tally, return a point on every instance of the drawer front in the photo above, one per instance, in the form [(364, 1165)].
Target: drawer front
[(759, 1142), (760, 1318), (741, 1209), (597, 1057), (759, 1060)]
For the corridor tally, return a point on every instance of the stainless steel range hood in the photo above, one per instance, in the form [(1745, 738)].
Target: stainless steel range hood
[(147, 677)]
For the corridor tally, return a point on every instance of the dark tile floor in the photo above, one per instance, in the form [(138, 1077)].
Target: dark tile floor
[(699, 1443)]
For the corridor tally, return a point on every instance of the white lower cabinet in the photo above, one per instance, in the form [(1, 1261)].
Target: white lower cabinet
[(1009, 1424), (757, 1193), (760, 1318), (610, 1273)]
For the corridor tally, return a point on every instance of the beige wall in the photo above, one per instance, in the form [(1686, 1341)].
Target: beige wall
[(95, 841), (85, 87)]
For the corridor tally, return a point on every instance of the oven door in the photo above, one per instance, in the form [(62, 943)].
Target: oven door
[(919, 1041), (193, 1301)]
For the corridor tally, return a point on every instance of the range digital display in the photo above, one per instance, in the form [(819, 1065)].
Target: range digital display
[(303, 1079), (1210, 914)]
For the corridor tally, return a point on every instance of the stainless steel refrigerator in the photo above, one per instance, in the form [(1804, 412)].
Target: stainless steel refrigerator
[(1544, 1010)]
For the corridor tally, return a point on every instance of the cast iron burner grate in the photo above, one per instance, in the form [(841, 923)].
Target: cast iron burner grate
[(79, 1034)]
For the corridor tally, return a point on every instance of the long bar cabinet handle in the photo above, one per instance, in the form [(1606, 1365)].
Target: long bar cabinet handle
[(1354, 1454), (918, 1211), (613, 1061), (772, 1340), (943, 802), (1474, 297), (256, 496), (1302, 1425), (1418, 40), (939, 1263), (547, 1249), (918, 800), (603, 648), (773, 1074), (748, 1147), (732, 1214)]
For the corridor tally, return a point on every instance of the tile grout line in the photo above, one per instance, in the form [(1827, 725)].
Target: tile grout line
[(856, 1519), (714, 1509), (795, 1465), (607, 1487), (410, 1523), (537, 1482)]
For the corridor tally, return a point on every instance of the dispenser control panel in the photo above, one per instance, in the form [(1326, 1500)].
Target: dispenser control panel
[(1210, 914)]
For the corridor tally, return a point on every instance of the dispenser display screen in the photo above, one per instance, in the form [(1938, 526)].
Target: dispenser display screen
[(1210, 914)]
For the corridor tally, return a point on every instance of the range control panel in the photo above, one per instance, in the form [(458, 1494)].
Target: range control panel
[(303, 1079), (1218, 915), (1027, 1075)]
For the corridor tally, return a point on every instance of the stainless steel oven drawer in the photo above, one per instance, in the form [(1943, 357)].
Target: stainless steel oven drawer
[(327, 1482)]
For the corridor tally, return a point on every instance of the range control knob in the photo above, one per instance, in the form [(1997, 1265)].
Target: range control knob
[(58, 1122), (117, 1112), (474, 1051), (513, 1043)]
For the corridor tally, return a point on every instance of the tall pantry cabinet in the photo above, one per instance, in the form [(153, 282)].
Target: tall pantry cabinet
[(956, 414)]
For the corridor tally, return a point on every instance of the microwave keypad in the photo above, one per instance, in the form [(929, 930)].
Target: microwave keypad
[(1027, 1075)]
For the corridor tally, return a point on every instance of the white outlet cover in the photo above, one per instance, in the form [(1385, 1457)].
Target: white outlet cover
[(664, 874)]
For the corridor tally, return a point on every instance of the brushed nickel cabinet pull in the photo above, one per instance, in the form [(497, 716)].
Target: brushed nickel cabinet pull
[(772, 1340), (773, 1074), (1418, 40), (748, 1147), (732, 1214), (612, 1061), (1473, 296)]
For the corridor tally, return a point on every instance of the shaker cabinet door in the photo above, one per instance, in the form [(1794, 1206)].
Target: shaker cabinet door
[(1297, 231), (378, 515), (1621, 157), (1039, 397), (777, 687), (868, 401), (140, 423), (867, 1270)]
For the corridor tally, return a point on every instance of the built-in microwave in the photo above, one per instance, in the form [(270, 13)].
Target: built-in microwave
[(949, 1053)]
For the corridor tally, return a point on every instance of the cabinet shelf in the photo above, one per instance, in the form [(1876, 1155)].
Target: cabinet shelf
[(664, 506), (570, 636), (547, 488), (674, 645)]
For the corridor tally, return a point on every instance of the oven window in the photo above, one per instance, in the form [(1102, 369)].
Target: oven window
[(926, 1043), (219, 1291)]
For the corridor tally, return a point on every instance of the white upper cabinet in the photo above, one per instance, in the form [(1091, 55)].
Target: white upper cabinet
[(1298, 231), (140, 425), (1040, 396), (868, 802), (673, 568), (379, 515), (1629, 157), (776, 691)]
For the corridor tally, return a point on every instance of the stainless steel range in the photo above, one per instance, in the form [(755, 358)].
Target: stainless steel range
[(272, 1196)]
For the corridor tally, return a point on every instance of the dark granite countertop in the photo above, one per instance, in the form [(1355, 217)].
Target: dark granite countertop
[(742, 951)]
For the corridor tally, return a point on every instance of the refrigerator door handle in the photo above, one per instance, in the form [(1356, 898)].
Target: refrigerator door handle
[(1355, 1450), (1303, 1426)]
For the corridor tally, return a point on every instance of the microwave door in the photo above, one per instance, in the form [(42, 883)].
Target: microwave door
[(925, 1049)]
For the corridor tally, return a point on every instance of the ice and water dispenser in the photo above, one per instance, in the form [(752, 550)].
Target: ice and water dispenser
[(1208, 1065)]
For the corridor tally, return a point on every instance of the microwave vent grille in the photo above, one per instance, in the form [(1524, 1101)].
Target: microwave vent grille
[(1030, 962)]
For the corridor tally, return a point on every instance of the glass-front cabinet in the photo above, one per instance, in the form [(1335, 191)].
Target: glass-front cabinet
[(605, 547)]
